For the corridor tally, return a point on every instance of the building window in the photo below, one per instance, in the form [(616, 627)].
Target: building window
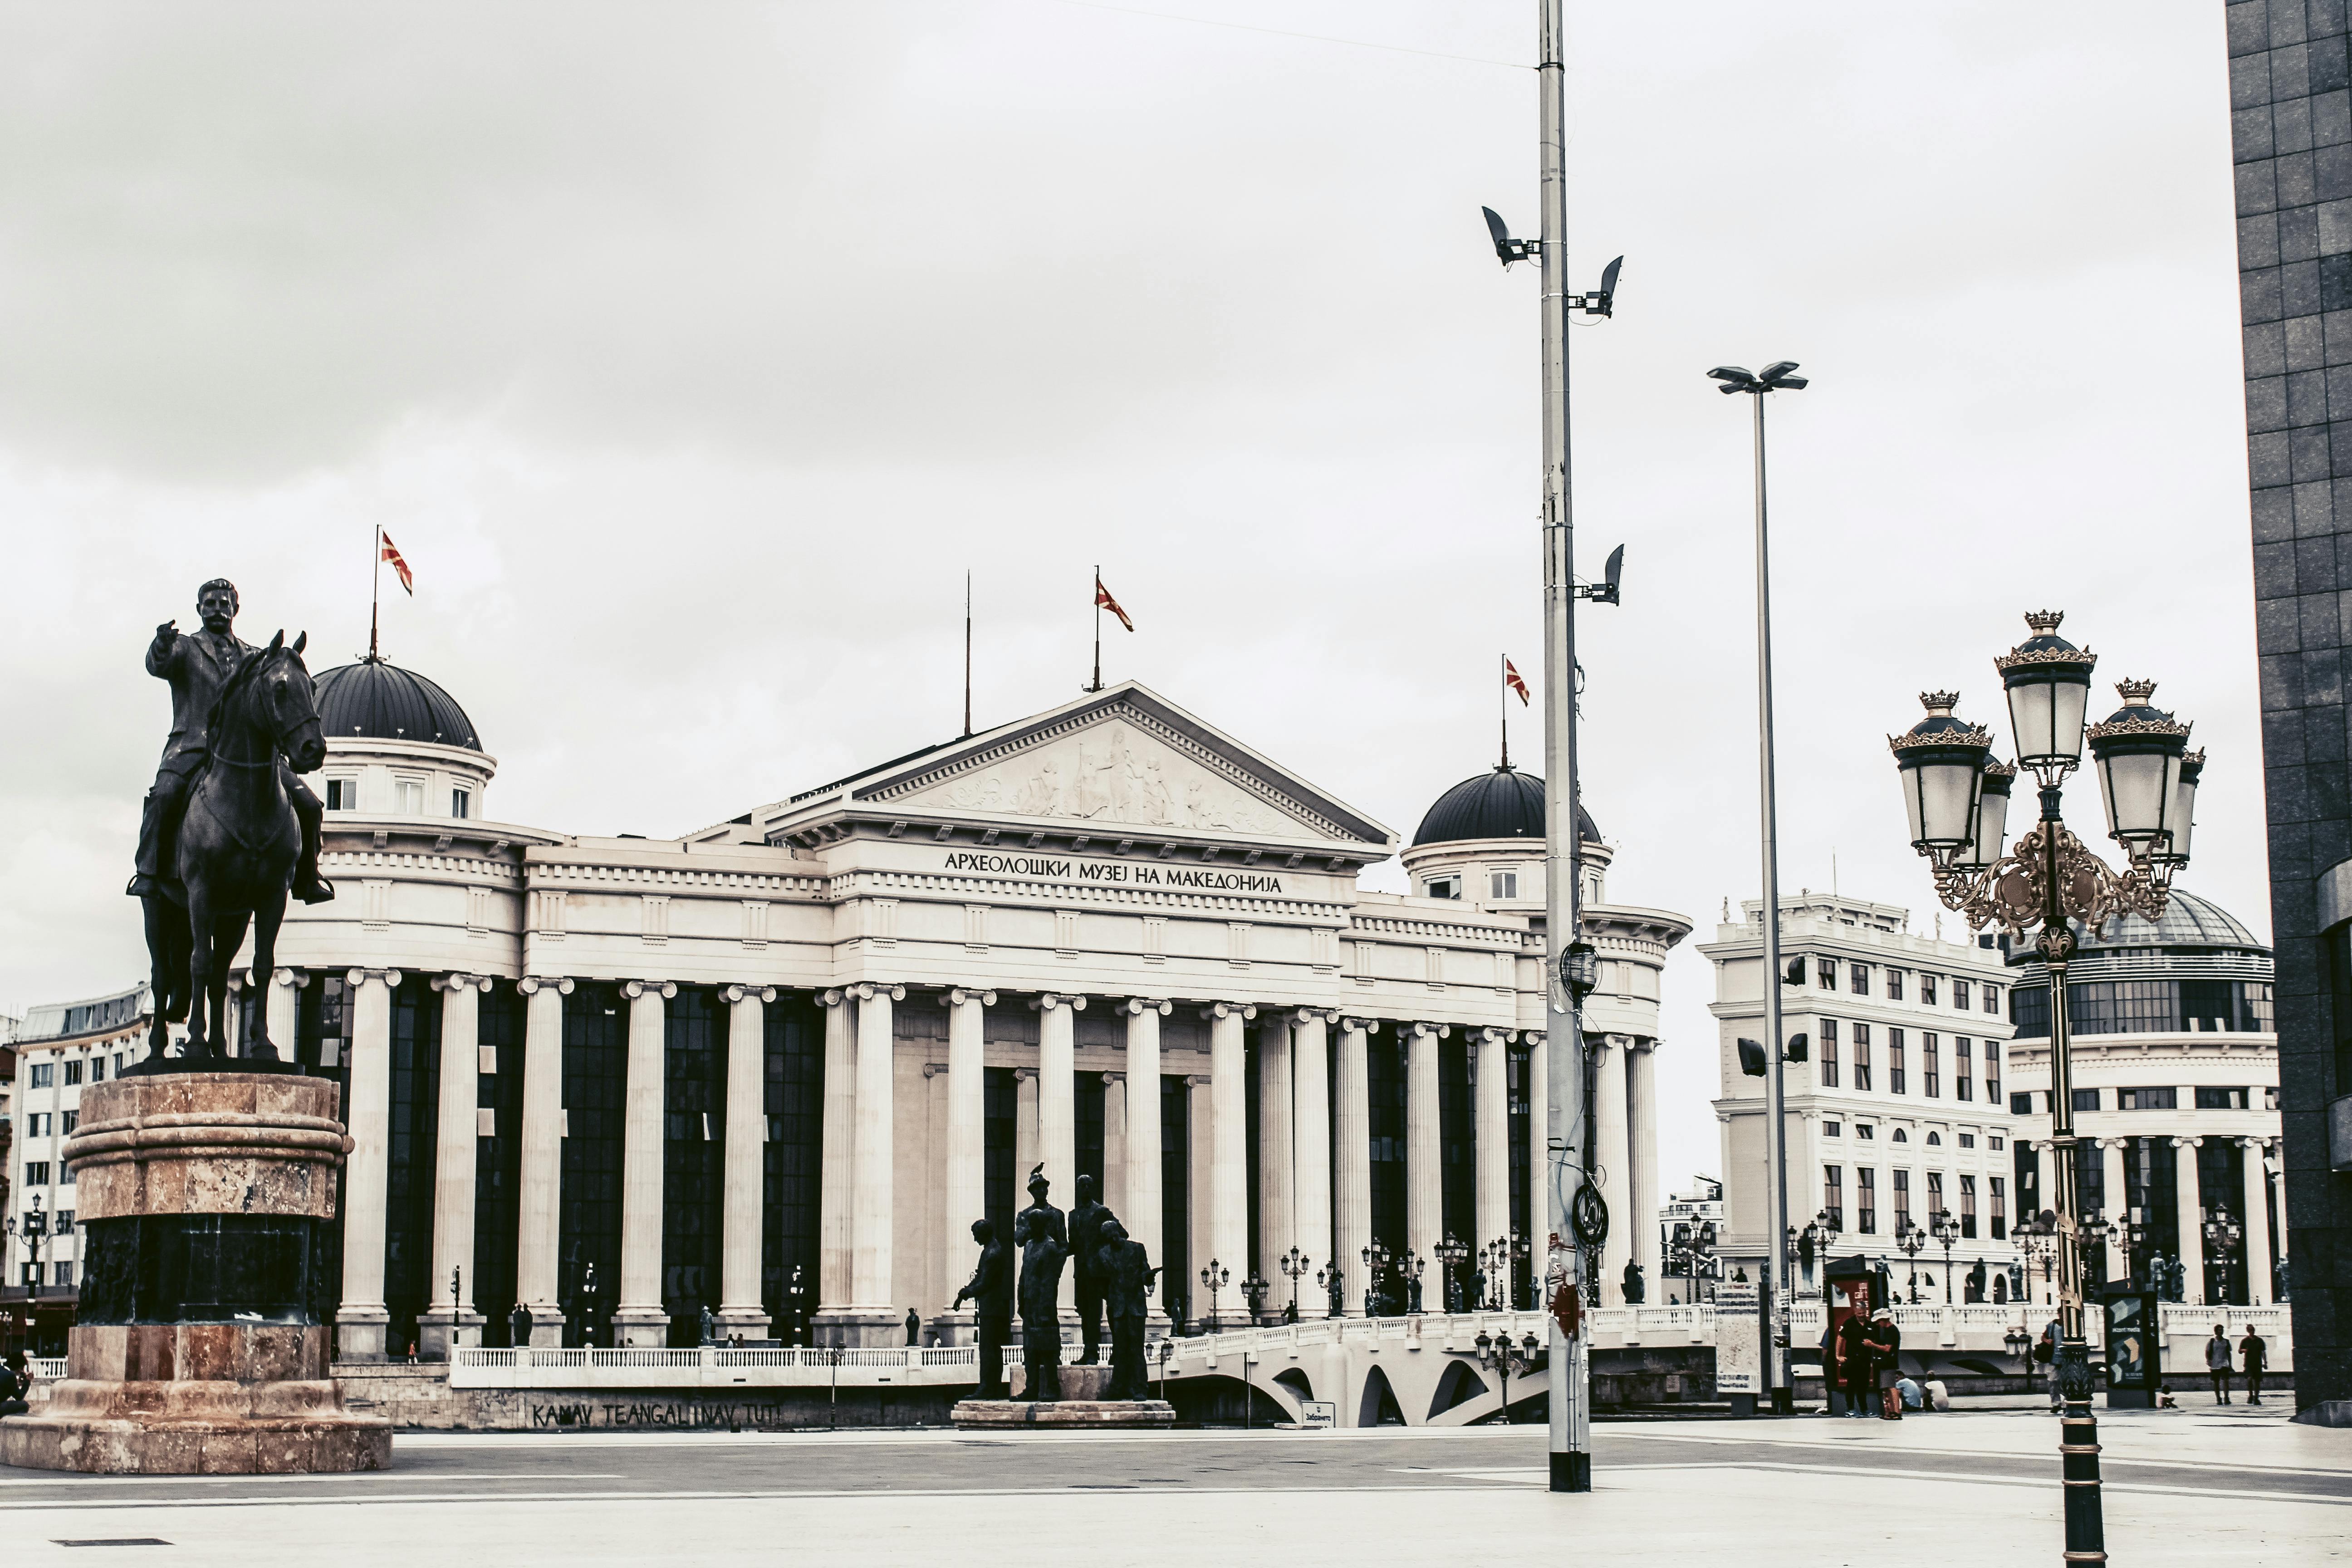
[(1959, 994), (2000, 1205), (2021, 1103), (1832, 1129), (1833, 1195), (2270, 1096), (1825, 972), (1992, 1073), (2211, 1098), (1935, 1194), (61, 1223), (73, 1072), (1902, 1202), (1967, 1208), (1860, 984), (1829, 1053), (1866, 1129), (68, 1122), (62, 1273), (1962, 1087), (42, 1073), (1968, 1139), (37, 1125), (1894, 985), (1935, 1139), (1895, 1061), (1861, 1055), (36, 1172), (1992, 997), (1445, 887), (408, 797), (1996, 1143), (2165, 1098), (1927, 990), (343, 795), (98, 1070), (461, 803), (1867, 1199), (1901, 1136), (2087, 1100)]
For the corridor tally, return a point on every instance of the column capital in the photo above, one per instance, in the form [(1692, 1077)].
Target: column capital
[(734, 994), (1111, 1077), (391, 977), (531, 984), (960, 994), (2254, 1142), (1196, 1080), (1022, 1075), (1046, 1001), (1316, 1016), (1427, 1030), (1531, 1037), (461, 982), (1138, 1006), (634, 989), (832, 998), (2187, 1143), (1230, 1009), (296, 978), (868, 990), (1360, 1025), (1491, 1035), (935, 1070)]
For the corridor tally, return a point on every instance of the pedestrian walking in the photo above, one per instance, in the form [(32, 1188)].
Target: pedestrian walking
[(1885, 1352), (1832, 1379), (2217, 1362), (2045, 1351), (1854, 1366), (2254, 1356)]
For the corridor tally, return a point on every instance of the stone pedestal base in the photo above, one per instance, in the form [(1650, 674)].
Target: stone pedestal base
[(744, 1324), (640, 1328), (1078, 1383), (997, 1415), (361, 1333), (439, 1332), (859, 1328)]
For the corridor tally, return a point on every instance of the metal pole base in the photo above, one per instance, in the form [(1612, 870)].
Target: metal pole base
[(1571, 1472)]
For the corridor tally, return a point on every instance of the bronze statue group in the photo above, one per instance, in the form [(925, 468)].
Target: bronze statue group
[(1114, 1278)]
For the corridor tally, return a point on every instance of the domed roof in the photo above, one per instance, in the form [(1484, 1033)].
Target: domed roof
[(2188, 922), (1503, 803), (385, 702)]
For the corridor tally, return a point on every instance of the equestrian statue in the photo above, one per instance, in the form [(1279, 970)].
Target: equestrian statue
[(228, 829)]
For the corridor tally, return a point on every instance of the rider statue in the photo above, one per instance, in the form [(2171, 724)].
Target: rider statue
[(198, 664)]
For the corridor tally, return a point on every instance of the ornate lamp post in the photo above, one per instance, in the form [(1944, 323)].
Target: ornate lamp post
[(796, 1309), (1409, 1267), (1294, 1266), (1501, 1259), (36, 1230), (1912, 1240), (1821, 1234), (2019, 1343), (1688, 1254), (1450, 1256), (2049, 883), (1335, 1284), (2222, 1235), (1376, 1268), (1214, 1279), (1497, 1353), (1946, 1230), (1253, 1291)]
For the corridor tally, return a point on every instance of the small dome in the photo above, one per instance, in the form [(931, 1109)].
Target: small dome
[(385, 702), (1503, 803), (2188, 922)]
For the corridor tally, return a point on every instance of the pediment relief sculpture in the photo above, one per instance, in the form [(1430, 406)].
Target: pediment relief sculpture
[(1113, 773)]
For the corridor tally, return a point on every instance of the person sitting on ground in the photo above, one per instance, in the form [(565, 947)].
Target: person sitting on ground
[(1912, 1396)]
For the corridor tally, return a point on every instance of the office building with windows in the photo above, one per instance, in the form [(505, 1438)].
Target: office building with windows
[(771, 1070), (1898, 1114), (2175, 1086)]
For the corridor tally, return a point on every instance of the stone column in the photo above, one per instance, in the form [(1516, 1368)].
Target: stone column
[(833, 1286), (281, 1014), (874, 1201), (740, 1310), (1277, 1220), (362, 1321), (1310, 1090), (936, 1260), (1024, 1135), (539, 1227), (1114, 1192), (2190, 1208), (1540, 1149), (1493, 1092), (967, 1152), (640, 1320), (1424, 1189), (2255, 1216), (1145, 1196), (1057, 1128), (1201, 1163), (2119, 1201), (1614, 1153), (1228, 1144), (450, 1319), (1648, 1196), (1353, 1135)]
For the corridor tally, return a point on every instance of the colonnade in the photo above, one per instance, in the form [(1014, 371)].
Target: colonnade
[(1314, 1155), (2191, 1204)]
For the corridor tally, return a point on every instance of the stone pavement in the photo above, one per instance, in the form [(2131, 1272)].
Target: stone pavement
[(2198, 1485)]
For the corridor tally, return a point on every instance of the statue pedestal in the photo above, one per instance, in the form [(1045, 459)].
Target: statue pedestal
[(1099, 1414), (199, 1346)]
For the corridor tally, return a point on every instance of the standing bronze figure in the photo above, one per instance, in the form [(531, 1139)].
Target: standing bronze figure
[(991, 1294), (1043, 1239), (228, 829), (1123, 1267), (1087, 1218)]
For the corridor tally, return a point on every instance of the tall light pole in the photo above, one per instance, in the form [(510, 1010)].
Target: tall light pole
[(1778, 377)]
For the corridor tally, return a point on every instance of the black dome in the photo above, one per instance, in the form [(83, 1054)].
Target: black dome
[(385, 702), (1503, 803)]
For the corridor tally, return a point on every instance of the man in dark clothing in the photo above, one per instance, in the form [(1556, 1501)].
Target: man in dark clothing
[(2217, 1362), (2256, 1356), (1123, 1267), (991, 1291), (1853, 1365), (1086, 1221), (1885, 1342)]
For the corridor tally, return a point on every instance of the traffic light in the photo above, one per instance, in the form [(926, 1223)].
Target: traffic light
[(1796, 971), (1751, 1058), (1798, 1047)]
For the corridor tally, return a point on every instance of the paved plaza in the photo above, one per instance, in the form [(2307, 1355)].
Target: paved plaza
[(2198, 1485)]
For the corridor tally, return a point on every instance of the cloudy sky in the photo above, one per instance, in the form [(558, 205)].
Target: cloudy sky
[(692, 353)]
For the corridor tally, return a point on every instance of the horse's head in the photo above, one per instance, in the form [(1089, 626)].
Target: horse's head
[(272, 693)]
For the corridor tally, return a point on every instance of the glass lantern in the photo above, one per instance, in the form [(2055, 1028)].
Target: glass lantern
[(2048, 681)]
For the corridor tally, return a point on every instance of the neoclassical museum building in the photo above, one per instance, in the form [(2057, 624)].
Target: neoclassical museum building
[(771, 1070)]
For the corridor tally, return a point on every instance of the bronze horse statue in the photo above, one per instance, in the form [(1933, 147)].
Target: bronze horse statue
[(237, 849)]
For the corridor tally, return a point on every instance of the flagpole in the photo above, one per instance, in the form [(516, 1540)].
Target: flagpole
[(1098, 685), (967, 650), (376, 592), (1503, 702)]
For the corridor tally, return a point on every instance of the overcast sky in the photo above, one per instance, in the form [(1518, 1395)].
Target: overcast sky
[(691, 353)]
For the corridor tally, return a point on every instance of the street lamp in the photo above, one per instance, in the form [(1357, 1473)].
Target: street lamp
[(1947, 1231), (1496, 1352), (2222, 1234), (1820, 1234), (1333, 1283), (1501, 1259), (2019, 1343), (1779, 376), (1688, 1254), (36, 1230), (1376, 1266), (1911, 1240), (1294, 1265), (1450, 1255), (1214, 1279), (2047, 883), (1410, 1266), (1253, 1291)]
